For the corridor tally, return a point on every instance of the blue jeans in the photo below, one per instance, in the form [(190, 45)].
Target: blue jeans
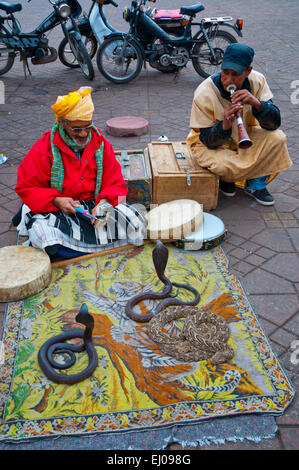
[(63, 251), (256, 183)]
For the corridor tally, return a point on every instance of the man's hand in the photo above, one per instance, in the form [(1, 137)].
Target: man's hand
[(65, 204), (245, 97), (94, 212), (230, 115)]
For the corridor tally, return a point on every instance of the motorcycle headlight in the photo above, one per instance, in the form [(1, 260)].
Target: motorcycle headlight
[(127, 14), (64, 10)]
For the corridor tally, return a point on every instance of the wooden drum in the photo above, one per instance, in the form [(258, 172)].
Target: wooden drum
[(174, 220), (24, 271)]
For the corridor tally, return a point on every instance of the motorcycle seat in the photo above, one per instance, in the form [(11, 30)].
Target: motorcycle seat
[(10, 7), (191, 11)]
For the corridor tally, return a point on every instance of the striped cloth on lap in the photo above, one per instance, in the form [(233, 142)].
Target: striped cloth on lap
[(125, 224)]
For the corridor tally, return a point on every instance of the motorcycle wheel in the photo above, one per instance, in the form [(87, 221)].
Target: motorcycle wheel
[(66, 55), (6, 60), (82, 57), (118, 60), (204, 63)]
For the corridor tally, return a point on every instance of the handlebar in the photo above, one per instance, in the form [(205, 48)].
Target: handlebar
[(107, 2)]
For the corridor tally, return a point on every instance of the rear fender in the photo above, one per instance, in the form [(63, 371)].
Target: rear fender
[(217, 20), (238, 31)]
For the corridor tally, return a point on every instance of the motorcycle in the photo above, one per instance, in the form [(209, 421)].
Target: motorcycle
[(93, 27), (121, 55), (34, 44)]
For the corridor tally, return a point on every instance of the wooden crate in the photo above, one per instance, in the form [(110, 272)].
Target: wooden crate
[(176, 175), (137, 174)]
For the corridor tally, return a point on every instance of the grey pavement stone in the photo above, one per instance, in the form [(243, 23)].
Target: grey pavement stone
[(294, 234), (286, 203), (243, 267), (4, 227), (276, 308), (285, 265), (250, 247), (290, 438), (248, 228), (276, 240), (239, 253), (261, 282), (265, 252), (293, 324), (283, 337), (255, 260), (5, 215)]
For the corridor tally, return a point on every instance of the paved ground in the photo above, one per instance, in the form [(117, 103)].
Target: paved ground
[(262, 242)]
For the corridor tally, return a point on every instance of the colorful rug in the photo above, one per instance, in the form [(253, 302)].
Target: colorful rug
[(136, 389)]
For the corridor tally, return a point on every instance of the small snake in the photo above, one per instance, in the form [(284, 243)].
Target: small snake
[(160, 258), (57, 345)]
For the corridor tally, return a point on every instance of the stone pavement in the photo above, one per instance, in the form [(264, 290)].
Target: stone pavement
[(262, 242)]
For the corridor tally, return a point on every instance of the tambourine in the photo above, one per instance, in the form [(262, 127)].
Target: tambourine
[(211, 234)]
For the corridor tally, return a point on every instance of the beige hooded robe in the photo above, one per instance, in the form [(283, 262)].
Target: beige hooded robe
[(267, 156)]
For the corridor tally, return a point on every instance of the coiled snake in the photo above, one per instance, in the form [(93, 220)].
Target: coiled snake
[(58, 345), (203, 335), (160, 258)]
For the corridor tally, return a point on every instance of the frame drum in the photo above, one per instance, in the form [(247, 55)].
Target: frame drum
[(24, 271), (174, 220), (209, 235)]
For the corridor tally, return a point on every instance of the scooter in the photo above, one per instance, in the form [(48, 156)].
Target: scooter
[(35, 45), (121, 56), (93, 27)]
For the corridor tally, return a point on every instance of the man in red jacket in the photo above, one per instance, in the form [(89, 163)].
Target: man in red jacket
[(74, 166)]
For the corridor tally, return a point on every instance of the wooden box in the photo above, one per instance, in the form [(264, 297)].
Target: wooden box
[(176, 175), (136, 171)]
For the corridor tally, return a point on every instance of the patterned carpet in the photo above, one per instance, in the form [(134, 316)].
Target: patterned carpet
[(136, 390)]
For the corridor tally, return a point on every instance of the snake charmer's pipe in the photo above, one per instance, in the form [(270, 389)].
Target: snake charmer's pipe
[(160, 258), (244, 141), (57, 345)]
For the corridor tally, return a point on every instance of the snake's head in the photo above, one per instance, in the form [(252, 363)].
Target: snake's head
[(84, 317), (160, 258)]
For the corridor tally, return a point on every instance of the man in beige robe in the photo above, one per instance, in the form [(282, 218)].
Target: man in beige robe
[(213, 139)]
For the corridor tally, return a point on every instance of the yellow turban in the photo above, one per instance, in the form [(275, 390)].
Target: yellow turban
[(76, 106)]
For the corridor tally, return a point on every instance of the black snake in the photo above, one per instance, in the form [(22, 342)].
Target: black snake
[(202, 337), (160, 258), (58, 345)]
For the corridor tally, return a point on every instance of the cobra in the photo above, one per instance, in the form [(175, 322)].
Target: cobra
[(160, 258), (58, 345)]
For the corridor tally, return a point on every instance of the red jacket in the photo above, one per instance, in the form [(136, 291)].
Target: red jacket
[(34, 174)]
